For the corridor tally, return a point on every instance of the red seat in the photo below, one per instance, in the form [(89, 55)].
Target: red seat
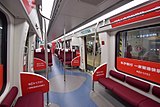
[(132, 97), (41, 55), (129, 95), (149, 103), (68, 55), (61, 55), (8, 100), (156, 91), (31, 100), (50, 59), (138, 84), (108, 83), (117, 75), (34, 99)]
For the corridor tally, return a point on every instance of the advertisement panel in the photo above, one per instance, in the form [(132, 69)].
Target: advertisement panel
[(76, 61), (144, 69), (100, 72), (139, 14), (31, 82), (39, 64)]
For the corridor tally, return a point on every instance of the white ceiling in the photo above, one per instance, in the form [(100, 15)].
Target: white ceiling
[(73, 12)]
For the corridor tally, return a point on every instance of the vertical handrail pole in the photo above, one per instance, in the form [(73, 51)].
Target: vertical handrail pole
[(94, 52), (46, 48), (46, 57), (64, 62), (26, 58)]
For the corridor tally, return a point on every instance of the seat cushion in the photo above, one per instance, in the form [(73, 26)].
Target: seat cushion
[(31, 100), (149, 103), (117, 75), (138, 84), (8, 100), (129, 95), (108, 83), (156, 91)]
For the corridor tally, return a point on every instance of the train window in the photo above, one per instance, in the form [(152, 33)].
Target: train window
[(3, 51), (141, 44), (138, 52), (68, 44)]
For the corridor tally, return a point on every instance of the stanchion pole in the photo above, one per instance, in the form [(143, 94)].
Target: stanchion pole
[(94, 52), (46, 59), (64, 62), (46, 49), (92, 85)]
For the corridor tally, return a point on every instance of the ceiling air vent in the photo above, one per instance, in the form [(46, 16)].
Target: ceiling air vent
[(92, 2)]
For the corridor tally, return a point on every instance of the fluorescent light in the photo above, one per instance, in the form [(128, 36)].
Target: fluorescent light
[(1, 27)]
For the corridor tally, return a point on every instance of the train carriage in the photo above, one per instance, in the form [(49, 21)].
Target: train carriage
[(91, 54)]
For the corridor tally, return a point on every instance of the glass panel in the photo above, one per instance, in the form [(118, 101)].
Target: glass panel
[(68, 44), (1, 65), (138, 53), (90, 56), (141, 44), (3, 52)]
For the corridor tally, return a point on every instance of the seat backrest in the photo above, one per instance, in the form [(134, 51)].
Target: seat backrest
[(41, 55), (8, 100), (138, 84), (61, 56), (68, 55), (49, 57), (117, 75), (156, 91)]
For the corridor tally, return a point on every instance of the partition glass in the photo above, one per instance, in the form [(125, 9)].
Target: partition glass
[(90, 52)]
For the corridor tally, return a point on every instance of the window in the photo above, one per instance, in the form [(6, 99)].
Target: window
[(3, 52), (138, 53), (141, 44), (68, 44)]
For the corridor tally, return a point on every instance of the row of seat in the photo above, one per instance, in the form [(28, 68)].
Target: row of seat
[(41, 55), (35, 99), (69, 55), (134, 98)]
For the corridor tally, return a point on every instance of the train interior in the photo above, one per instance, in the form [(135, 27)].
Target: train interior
[(84, 53)]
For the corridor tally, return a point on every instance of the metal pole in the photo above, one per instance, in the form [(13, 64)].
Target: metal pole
[(64, 54), (26, 54), (46, 50), (94, 51), (46, 57)]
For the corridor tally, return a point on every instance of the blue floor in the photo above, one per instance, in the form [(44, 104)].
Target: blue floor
[(76, 98)]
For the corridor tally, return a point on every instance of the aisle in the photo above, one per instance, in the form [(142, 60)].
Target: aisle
[(74, 92)]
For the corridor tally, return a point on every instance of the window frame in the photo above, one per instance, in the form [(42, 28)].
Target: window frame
[(116, 51), (4, 50)]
